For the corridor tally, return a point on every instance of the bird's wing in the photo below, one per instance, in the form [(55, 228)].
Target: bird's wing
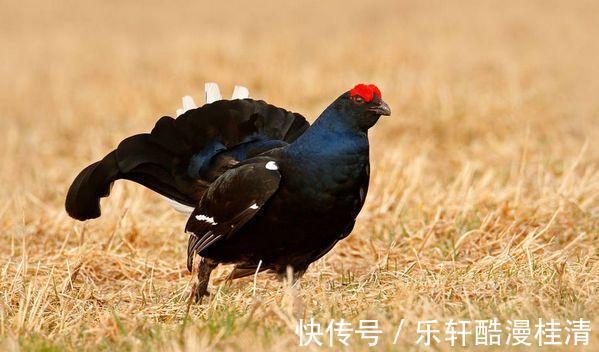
[(230, 202)]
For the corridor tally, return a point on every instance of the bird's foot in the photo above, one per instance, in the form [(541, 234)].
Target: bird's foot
[(201, 291)]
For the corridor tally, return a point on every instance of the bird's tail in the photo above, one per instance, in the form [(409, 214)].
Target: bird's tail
[(94, 182), (137, 159), (180, 157)]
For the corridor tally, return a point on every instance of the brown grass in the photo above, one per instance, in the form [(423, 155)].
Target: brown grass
[(484, 197)]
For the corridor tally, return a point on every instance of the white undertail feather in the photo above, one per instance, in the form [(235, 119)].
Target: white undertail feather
[(188, 103), (240, 92), (181, 208), (212, 92)]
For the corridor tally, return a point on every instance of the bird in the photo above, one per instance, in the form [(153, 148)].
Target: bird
[(267, 191)]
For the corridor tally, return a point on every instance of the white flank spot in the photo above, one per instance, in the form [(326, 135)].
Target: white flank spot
[(207, 219), (188, 103), (271, 165), (212, 92), (254, 206), (240, 92), (180, 112)]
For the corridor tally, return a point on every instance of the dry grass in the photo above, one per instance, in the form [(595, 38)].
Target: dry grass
[(484, 197)]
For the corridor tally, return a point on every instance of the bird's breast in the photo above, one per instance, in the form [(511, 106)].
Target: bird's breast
[(323, 186)]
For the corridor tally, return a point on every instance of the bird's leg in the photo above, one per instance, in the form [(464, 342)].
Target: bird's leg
[(291, 275), (205, 267), (296, 276)]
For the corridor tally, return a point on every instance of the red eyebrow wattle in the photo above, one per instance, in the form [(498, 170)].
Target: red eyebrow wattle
[(366, 91)]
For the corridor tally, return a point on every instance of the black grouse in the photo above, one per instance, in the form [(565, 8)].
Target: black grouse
[(269, 191)]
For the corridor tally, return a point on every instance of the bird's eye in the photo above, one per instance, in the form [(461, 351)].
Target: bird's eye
[(358, 99)]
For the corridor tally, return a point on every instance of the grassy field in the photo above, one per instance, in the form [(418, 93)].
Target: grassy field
[(484, 199)]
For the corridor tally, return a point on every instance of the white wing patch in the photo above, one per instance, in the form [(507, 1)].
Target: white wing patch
[(254, 206), (271, 165), (208, 219)]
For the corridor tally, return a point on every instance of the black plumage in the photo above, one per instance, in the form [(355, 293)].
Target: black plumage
[(180, 157), (268, 192)]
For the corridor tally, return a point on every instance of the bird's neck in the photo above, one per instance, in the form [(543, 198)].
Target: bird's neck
[(330, 135)]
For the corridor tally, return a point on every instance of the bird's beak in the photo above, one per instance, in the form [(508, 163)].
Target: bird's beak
[(381, 108)]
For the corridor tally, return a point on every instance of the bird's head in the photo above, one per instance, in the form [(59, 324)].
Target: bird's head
[(362, 106)]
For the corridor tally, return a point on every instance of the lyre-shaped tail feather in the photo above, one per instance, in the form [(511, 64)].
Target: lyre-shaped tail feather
[(180, 157)]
